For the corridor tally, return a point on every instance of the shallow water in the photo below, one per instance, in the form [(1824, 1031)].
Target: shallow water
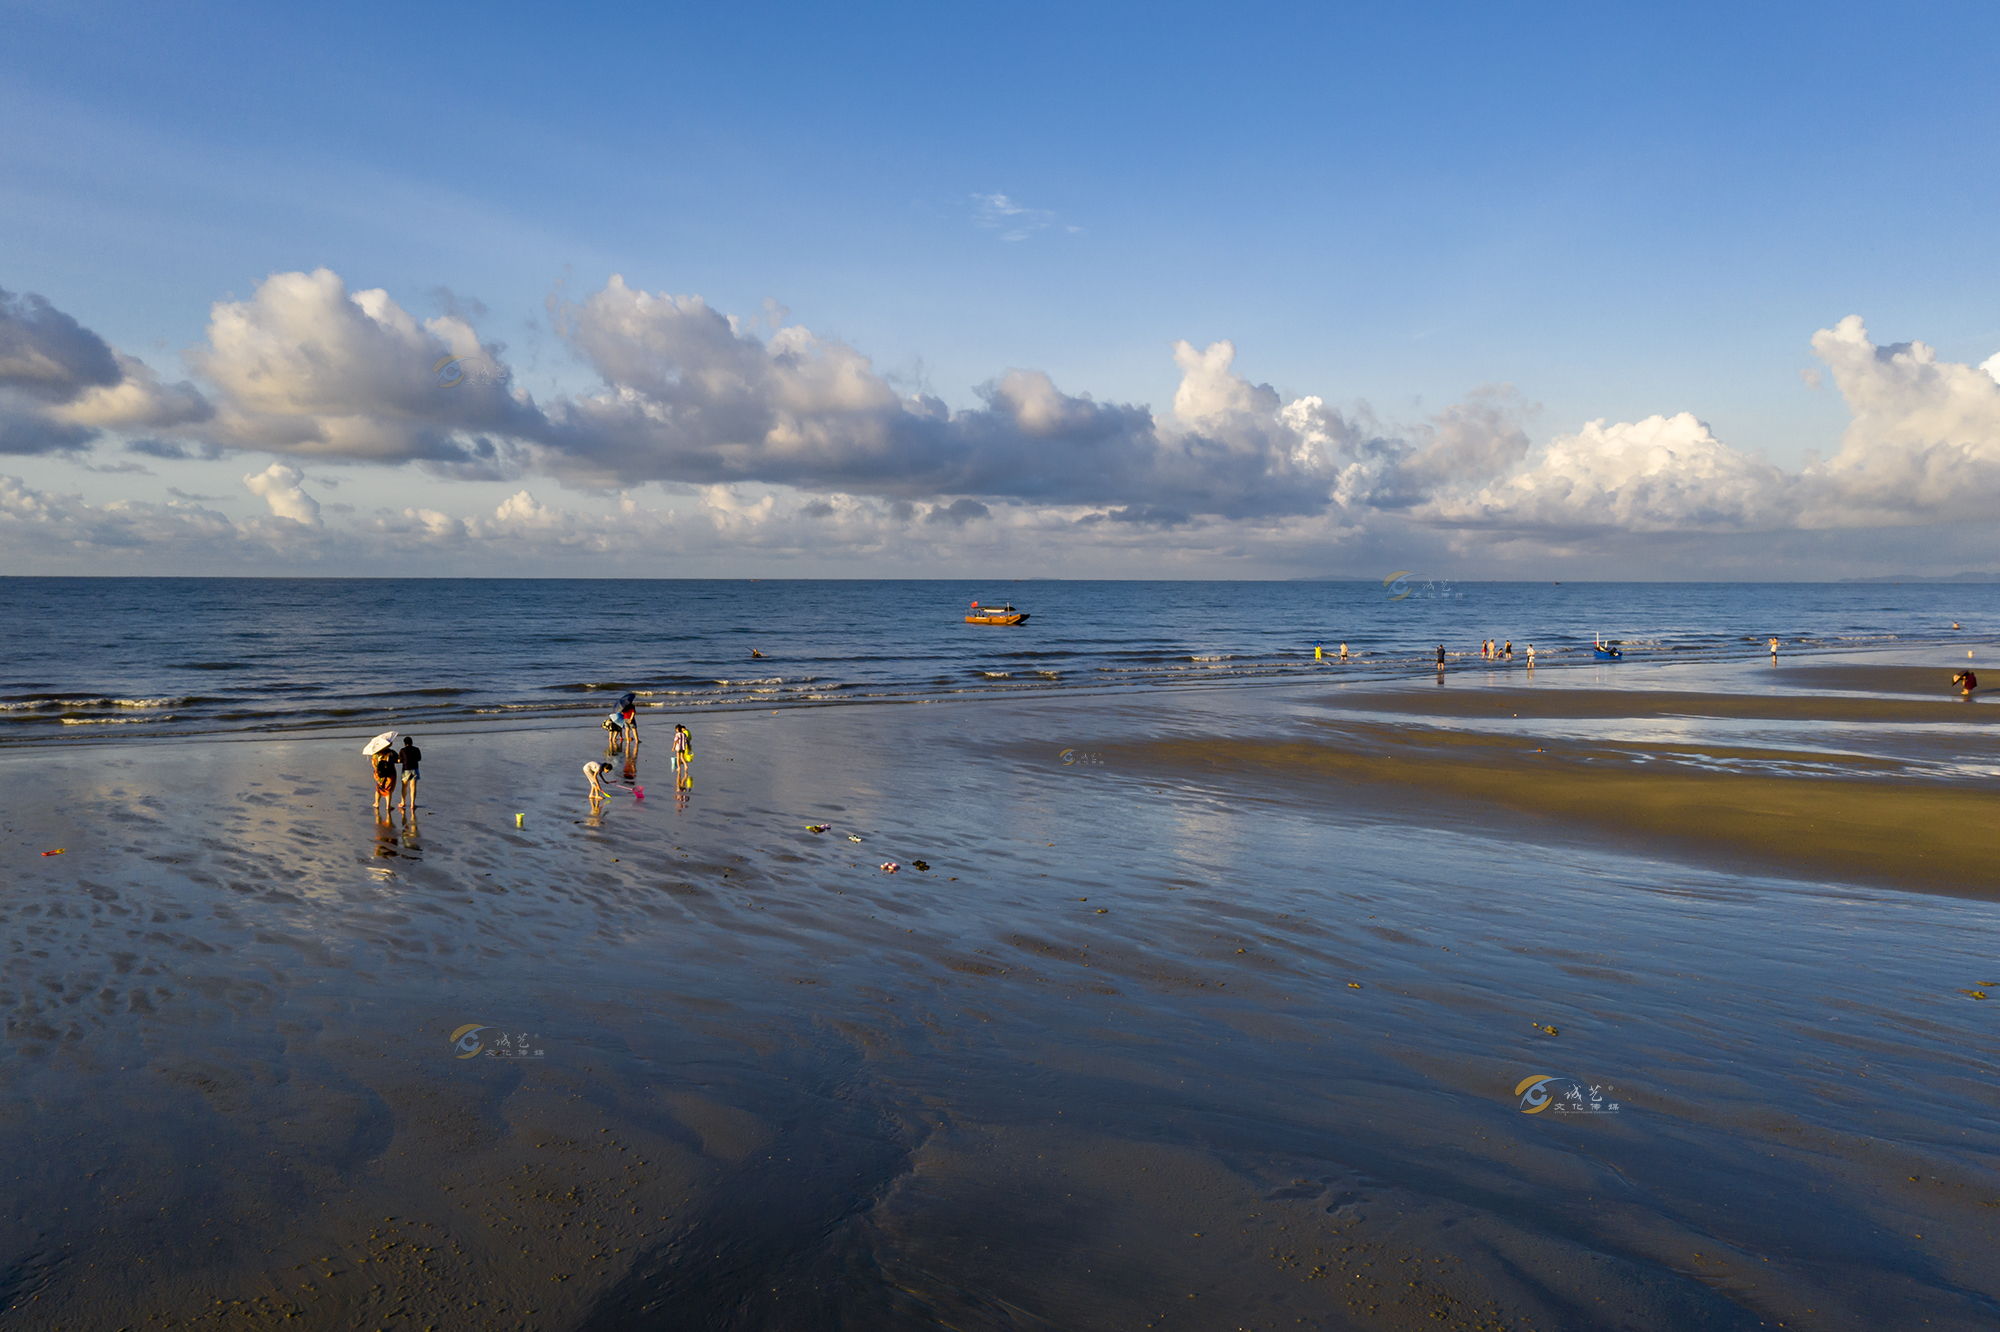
[(1141, 1048), (113, 657)]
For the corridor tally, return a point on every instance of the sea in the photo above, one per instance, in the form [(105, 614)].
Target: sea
[(129, 657)]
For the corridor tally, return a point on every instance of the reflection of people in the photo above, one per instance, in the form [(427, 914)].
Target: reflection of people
[(410, 758), (385, 780), (1965, 680)]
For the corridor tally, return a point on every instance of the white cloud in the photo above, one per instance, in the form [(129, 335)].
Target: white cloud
[(306, 369), (1656, 475), (1013, 220), (62, 386), (785, 442), (1924, 442), (278, 486)]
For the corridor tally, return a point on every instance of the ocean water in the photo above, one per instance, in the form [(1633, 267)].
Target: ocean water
[(142, 656)]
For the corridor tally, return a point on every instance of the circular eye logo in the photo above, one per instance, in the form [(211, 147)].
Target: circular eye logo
[(449, 373), (1534, 1092), (466, 1040), (1398, 584), (1067, 756)]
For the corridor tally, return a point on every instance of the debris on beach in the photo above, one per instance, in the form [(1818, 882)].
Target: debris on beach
[(890, 867), (1103, 910), (58, 851), (1976, 994), (817, 827), (852, 838), (1538, 1026), (922, 865), (1354, 985)]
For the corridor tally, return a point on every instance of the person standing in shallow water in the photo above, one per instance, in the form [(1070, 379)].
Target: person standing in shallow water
[(410, 757), (385, 781), (683, 754), (1440, 654)]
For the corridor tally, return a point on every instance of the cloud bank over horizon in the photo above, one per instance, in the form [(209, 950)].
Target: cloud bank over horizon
[(768, 441)]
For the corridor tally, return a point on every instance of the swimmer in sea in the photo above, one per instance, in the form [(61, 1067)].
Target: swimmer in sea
[(1343, 652), (756, 655)]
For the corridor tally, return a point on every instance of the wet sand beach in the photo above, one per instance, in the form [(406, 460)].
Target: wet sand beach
[(1211, 1011)]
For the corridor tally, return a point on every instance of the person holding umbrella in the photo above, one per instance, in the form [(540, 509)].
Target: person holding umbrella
[(381, 752)]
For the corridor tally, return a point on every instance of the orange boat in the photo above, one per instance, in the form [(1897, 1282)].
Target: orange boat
[(996, 615)]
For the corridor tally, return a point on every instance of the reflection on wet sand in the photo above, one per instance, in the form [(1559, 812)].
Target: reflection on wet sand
[(1198, 1036)]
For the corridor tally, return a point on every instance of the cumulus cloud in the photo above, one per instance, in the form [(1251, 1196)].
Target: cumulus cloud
[(61, 385), (1659, 474), (732, 411), (305, 368), (1924, 442), (278, 486)]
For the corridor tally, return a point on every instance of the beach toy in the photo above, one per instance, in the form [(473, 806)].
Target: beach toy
[(58, 851), (518, 819), (852, 838), (817, 827), (890, 867), (638, 793)]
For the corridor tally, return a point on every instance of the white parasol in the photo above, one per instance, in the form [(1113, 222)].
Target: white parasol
[(379, 743)]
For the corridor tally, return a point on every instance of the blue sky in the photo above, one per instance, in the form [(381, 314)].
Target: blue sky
[(1619, 215)]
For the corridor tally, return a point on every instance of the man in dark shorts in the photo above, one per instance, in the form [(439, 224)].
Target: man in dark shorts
[(410, 758), (385, 781)]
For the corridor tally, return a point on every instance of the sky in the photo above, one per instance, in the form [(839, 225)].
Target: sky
[(1101, 290)]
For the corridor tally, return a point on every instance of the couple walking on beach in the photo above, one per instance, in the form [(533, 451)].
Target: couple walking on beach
[(385, 763)]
